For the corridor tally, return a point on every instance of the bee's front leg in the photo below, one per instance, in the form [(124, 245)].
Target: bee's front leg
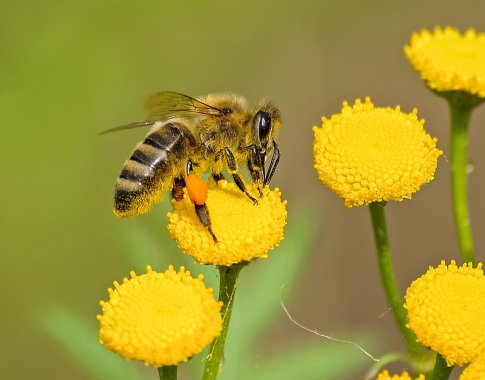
[(275, 159), (232, 168)]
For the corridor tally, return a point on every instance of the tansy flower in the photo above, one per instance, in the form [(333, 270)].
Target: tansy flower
[(367, 154), (384, 375), (446, 311), (244, 230), (159, 318), (448, 60), (476, 370)]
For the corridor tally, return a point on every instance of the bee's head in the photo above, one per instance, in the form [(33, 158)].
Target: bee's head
[(266, 123)]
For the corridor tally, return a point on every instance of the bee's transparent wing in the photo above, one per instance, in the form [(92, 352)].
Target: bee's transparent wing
[(136, 124), (167, 105)]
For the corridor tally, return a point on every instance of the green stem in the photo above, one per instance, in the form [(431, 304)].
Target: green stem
[(168, 372), (227, 290), (387, 276), (441, 370), (460, 119)]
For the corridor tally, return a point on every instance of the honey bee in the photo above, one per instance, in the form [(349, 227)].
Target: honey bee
[(206, 135)]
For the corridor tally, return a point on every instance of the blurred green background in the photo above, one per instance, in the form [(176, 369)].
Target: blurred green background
[(69, 70)]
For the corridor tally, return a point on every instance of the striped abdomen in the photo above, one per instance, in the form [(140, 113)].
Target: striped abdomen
[(151, 169)]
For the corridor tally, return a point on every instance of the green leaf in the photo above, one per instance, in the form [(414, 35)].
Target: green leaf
[(319, 360), (80, 339)]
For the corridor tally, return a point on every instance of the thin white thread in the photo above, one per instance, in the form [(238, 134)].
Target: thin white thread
[(320, 334), (385, 313)]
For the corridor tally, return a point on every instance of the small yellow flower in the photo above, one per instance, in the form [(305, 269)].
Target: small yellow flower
[(448, 60), (476, 369), (446, 311), (245, 231), (367, 154), (384, 375), (159, 318)]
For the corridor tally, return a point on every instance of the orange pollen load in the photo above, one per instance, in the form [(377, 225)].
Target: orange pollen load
[(197, 189)]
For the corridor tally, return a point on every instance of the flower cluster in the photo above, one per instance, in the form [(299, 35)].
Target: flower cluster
[(244, 231), (446, 311), (159, 318), (385, 375), (448, 60), (367, 154)]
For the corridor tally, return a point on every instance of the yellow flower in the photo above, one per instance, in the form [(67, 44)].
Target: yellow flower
[(384, 375), (159, 318), (367, 154), (446, 311), (476, 370), (448, 60), (244, 231)]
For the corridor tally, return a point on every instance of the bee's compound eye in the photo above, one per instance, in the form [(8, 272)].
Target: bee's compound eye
[(262, 122)]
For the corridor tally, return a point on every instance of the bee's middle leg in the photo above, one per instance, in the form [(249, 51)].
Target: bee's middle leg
[(256, 166), (178, 188), (231, 164), (218, 177)]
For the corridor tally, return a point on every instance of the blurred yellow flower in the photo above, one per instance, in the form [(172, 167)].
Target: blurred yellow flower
[(475, 370), (446, 311), (384, 375), (244, 231), (367, 154), (161, 319), (448, 60)]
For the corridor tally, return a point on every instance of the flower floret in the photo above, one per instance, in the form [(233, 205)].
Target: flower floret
[(368, 154), (244, 230), (446, 311), (159, 318), (448, 60), (476, 369), (385, 375)]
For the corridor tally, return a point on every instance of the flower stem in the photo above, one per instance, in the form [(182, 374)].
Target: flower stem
[(460, 118), (227, 290), (168, 372), (387, 275), (441, 370)]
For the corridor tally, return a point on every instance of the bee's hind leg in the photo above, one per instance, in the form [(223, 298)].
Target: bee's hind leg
[(197, 191), (202, 213)]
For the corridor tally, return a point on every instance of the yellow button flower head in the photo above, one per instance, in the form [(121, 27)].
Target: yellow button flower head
[(384, 375), (476, 370), (446, 311), (244, 231), (448, 60), (367, 154), (159, 318)]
